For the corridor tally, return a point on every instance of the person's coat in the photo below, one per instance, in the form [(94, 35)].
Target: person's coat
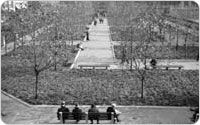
[(77, 113)]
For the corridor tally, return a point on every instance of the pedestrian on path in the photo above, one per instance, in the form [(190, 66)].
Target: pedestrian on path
[(95, 22), (124, 56), (87, 35)]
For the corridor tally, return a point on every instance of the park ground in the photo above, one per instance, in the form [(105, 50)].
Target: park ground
[(14, 111), (17, 112)]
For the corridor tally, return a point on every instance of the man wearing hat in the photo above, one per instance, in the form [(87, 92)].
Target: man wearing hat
[(112, 109), (62, 109)]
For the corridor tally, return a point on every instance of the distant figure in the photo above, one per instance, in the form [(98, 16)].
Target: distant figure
[(77, 113), (87, 35), (113, 109), (79, 46), (95, 22), (93, 114), (100, 20), (153, 63), (197, 57), (63, 109), (124, 56)]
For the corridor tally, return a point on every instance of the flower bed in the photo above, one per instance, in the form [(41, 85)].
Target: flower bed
[(192, 52), (173, 87)]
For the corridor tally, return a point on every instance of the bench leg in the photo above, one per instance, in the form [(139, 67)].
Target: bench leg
[(86, 117), (61, 118), (112, 118)]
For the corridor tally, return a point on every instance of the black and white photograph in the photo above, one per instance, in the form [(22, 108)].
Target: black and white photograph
[(99, 62)]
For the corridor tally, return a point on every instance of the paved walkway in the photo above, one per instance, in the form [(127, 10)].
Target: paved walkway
[(14, 112), (188, 64), (98, 49)]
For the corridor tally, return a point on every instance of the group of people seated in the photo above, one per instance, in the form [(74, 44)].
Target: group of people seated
[(93, 113)]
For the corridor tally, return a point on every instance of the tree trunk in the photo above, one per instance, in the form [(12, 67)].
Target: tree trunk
[(170, 33), (22, 39), (186, 45), (55, 65), (177, 40), (36, 84), (131, 67), (72, 39), (5, 44), (15, 42), (55, 62), (142, 87)]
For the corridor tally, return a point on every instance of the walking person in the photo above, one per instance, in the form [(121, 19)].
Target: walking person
[(87, 35), (77, 113), (93, 114), (95, 22)]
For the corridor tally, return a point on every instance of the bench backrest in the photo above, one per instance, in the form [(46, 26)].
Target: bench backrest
[(94, 66), (70, 115), (84, 116)]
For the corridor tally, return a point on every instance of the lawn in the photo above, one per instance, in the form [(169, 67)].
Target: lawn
[(192, 52), (172, 87)]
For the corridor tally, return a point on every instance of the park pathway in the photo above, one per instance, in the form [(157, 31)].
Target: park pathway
[(98, 49), (14, 112)]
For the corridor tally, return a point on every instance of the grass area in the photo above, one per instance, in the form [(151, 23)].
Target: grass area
[(173, 87), (192, 52)]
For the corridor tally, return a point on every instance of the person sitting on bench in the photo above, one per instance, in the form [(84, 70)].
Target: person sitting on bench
[(93, 114), (77, 112), (113, 109), (64, 109), (153, 63)]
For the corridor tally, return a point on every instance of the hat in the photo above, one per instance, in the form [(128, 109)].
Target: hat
[(114, 105)]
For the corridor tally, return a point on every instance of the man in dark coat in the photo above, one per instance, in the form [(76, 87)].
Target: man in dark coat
[(95, 22), (113, 110), (93, 114), (87, 35), (64, 110), (77, 113)]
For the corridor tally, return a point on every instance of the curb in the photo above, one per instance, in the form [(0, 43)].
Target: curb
[(114, 56), (79, 51), (16, 99), (87, 106)]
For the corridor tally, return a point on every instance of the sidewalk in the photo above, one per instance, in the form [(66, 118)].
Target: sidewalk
[(14, 112), (98, 49), (188, 64)]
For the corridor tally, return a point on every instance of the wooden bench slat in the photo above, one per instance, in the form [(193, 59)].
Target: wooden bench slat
[(102, 116), (170, 66), (93, 66)]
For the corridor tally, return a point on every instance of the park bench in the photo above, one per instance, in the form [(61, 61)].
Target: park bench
[(84, 116), (94, 66), (171, 66)]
